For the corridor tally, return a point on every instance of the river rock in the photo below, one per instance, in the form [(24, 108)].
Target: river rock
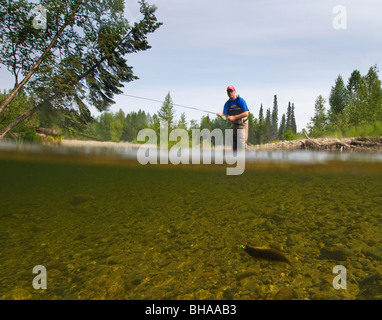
[(17, 294), (335, 253), (370, 288), (292, 240), (284, 294), (80, 199), (269, 226), (374, 252), (245, 274), (229, 293)]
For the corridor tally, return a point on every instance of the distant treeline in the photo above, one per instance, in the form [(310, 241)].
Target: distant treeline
[(355, 109), (125, 127)]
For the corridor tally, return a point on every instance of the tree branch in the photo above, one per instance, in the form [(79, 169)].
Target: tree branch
[(18, 87), (73, 83)]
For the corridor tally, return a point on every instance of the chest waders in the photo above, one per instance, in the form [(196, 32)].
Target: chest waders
[(241, 124)]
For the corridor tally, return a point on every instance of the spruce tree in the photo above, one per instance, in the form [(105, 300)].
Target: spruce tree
[(282, 128), (274, 119), (261, 114), (318, 123), (338, 99), (289, 117), (182, 123), (267, 126), (293, 120), (259, 131), (252, 125), (167, 112), (354, 82)]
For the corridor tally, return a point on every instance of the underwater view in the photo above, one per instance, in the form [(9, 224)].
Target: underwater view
[(115, 229)]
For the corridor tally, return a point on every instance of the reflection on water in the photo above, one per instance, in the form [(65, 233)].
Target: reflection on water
[(112, 231), (129, 151)]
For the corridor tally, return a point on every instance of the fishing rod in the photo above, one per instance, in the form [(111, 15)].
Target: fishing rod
[(178, 105)]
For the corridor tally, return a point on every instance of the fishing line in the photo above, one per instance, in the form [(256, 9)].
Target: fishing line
[(177, 105)]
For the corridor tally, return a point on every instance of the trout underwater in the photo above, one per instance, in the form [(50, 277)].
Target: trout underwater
[(265, 254)]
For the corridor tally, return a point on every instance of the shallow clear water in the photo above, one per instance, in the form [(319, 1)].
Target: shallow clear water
[(113, 229)]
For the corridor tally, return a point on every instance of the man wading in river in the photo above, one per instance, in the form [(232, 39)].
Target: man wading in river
[(236, 111)]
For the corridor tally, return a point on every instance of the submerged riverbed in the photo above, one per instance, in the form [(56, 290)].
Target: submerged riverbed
[(113, 229)]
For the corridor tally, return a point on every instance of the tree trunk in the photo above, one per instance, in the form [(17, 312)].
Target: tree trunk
[(26, 115), (46, 131)]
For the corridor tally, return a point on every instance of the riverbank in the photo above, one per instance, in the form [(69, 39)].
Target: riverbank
[(103, 144), (359, 144)]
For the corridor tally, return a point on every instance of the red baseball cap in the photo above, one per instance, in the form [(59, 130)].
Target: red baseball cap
[(231, 88)]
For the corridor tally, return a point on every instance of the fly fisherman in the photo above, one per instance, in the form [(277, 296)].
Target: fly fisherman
[(236, 111)]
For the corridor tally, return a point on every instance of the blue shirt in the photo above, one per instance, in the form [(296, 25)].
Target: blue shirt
[(235, 107)]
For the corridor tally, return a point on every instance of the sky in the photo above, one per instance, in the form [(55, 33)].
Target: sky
[(294, 49)]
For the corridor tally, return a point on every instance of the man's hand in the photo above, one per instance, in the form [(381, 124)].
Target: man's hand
[(229, 118)]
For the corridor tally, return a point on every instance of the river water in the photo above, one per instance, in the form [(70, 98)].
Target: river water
[(103, 226)]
